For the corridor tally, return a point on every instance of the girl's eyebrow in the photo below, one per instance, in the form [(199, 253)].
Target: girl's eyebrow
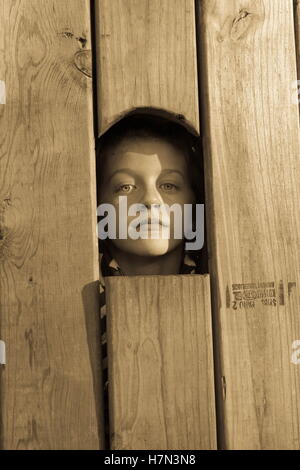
[(122, 170), (173, 171), (133, 173)]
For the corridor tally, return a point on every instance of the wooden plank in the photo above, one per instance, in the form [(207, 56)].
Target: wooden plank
[(50, 390), (160, 363), (146, 56), (251, 129), (297, 36)]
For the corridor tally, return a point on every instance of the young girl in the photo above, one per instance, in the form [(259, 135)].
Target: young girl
[(152, 160)]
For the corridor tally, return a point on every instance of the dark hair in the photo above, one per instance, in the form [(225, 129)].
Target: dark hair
[(145, 125)]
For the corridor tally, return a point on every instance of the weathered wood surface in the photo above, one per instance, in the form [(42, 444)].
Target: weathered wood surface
[(161, 385), (146, 56), (251, 135), (49, 310)]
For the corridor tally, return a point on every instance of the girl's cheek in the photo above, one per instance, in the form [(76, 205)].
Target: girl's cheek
[(130, 199), (179, 199)]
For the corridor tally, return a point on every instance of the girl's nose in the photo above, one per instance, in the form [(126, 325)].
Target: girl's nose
[(152, 197)]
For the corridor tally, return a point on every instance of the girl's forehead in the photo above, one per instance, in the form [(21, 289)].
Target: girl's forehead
[(142, 154)]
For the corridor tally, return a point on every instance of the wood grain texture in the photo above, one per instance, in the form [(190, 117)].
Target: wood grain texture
[(251, 129), (146, 56), (160, 362), (50, 390)]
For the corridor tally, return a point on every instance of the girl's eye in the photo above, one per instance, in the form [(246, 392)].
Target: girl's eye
[(168, 186), (125, 188)]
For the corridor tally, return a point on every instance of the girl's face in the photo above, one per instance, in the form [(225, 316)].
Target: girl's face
[(147, 171)]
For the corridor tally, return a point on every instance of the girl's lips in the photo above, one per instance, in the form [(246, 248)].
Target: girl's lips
[(156, 226), (151, 228), (154, 222), (150, 222)]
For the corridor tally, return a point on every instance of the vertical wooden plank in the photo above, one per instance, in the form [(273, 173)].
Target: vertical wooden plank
[(161, 384), (146, 56), (50, 390), (297, 35), (251, 129)]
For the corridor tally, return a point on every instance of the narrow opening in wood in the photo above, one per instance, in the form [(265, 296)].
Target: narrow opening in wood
[(203, 86)]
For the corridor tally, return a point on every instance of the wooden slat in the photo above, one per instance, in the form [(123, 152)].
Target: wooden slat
[(49, 310), (146, 56), (297, 38), (252, 161), (160, 362)]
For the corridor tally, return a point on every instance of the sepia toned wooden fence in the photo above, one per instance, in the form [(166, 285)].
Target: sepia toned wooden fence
[(195, 362)]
